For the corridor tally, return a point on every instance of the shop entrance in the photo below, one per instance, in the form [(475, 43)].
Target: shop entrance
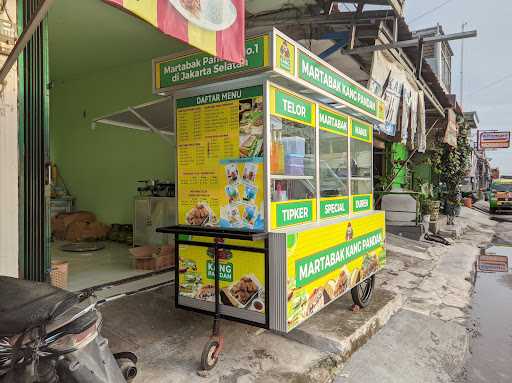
[(111, 148)]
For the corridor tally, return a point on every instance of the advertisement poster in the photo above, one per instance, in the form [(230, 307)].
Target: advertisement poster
[(241, 275), (326, 262), (220, 159), (216, 27)]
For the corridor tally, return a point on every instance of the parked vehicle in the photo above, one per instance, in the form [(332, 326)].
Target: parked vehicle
[(49, 335), (500, 195)]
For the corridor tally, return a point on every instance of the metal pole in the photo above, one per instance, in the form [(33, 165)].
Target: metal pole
[(25, 37), (462, 66)]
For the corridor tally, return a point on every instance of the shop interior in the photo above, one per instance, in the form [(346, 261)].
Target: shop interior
[(111, 147)]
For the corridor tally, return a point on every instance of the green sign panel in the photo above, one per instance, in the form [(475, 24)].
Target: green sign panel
[(213, 98), (317, 74), (361, 130), (317, 265), (334, 207), (287, 105), (333, 121), (225, 271), (293, 213), (199, 66), (361, 203)]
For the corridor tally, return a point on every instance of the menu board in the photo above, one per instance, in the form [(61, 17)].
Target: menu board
[(220, 159)]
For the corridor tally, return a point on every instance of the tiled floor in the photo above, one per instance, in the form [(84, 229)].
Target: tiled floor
[(112, 263)]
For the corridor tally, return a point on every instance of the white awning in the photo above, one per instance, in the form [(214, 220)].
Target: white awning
[(155, 117)]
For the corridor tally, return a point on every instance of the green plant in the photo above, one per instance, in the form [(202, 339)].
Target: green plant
[(455, 164)]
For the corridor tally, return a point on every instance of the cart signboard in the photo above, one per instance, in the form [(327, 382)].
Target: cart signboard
[(326, 262), (293, 60), (220, 159), (182, 70), (241, 276)]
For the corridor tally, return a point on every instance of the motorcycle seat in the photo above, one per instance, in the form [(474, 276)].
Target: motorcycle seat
[(26, 305)]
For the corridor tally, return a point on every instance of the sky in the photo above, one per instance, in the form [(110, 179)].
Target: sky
[(487, 59)]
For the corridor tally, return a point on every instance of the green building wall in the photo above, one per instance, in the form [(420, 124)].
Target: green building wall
[(101, 167)]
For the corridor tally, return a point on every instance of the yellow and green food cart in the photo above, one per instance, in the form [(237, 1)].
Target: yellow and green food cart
[(274, 185)]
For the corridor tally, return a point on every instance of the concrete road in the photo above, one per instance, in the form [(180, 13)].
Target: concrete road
[(429, 339)]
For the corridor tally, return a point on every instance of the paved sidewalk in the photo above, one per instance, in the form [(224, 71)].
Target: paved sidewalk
[(425, 278)]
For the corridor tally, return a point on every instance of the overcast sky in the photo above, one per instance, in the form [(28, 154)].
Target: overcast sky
[(487, 59)]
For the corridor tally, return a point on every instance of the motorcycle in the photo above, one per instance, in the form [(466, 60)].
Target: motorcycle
[(50, 335)]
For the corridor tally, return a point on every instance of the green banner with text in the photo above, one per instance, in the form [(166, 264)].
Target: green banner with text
[(319, 75), (200, 66), (334, 207), (292, 213), (361, 203), (335, 122), (317, 265)]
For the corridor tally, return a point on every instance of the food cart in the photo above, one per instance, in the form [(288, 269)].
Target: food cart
[(274, 185)]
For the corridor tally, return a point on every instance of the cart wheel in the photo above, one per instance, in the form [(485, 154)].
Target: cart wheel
[(208, 358), (362, 294)]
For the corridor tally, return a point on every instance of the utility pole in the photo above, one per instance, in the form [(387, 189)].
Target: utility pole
[(462, 66)]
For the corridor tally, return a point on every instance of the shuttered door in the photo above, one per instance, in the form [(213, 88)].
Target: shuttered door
[(34, 108)]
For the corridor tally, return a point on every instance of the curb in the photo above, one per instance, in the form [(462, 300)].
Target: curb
[(339, 350)]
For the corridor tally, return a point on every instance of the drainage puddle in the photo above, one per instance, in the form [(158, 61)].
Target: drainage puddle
[(491, 317)]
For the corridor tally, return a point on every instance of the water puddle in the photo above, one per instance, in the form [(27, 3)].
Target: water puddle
[(491, 316)]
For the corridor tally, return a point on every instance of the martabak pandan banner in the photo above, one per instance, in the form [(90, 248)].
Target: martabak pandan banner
[(214, 26)]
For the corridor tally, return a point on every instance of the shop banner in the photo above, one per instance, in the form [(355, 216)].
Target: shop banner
[(220, 159), (216, 27), (241, 275), (387, 81), (333, 122), (320, 75), (326, 262), (493, 140), (202, 66), (452, 129)]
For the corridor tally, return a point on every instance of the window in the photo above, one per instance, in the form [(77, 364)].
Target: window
[(361, 158), (292, 147), (292, 160), (333, 164)]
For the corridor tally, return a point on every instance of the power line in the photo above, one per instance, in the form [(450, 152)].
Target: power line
[(491, 84), (430, 11)]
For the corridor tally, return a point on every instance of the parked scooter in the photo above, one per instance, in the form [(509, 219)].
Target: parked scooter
[(49, 335)]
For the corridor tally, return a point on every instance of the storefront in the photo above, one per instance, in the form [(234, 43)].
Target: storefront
[(274, 183)]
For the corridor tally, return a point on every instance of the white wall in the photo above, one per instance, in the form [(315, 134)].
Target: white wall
[(9, 166)]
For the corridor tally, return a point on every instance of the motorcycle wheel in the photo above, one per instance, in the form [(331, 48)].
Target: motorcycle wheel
[(208, 358), (362, 294)]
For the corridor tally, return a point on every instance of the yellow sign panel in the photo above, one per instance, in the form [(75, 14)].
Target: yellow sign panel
[(284, 55), (241, 274), (326, 262), (220, 159)]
